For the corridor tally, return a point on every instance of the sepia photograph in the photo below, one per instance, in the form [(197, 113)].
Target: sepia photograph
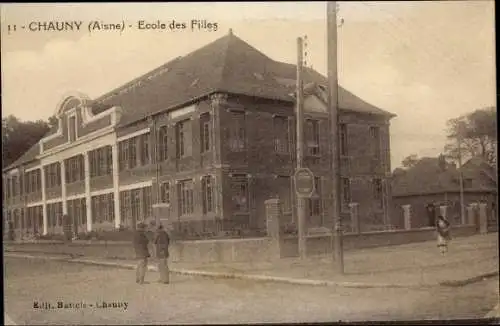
[(173, 163)]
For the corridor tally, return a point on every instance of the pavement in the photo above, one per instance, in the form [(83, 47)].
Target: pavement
[(416, 265), (33, 289)]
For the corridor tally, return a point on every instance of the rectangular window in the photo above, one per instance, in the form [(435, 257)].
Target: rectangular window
[(375, 141), (123, 155), (315, 206), (144, 139), (467, 183), (165, 193), (205, 132), (237, 132), (132, 152), (312, 137), (147, 208), (72, 127), (163, 144), (126, 207), (185, 195), (207, 194), (346, 191), (343, 139), (184, 139), (14, 186), (109, 160), (378, 191), (281, 133), (239, 191)]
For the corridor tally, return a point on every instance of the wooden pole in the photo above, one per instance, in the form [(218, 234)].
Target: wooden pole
[(301, 207), (334, 133)]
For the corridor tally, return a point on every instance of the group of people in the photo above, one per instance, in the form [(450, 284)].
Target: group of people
[(161, 242)]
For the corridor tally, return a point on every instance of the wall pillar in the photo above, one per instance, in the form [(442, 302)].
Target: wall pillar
[(88, 199), (116, 184), (407, 216), (44, 203), (483, 218), (354, 212), (63, 188), (273, 217)]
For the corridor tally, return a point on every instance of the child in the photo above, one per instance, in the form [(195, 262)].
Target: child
[(443, 234)]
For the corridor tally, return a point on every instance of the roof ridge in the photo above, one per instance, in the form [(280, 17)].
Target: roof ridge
[(220, 81)]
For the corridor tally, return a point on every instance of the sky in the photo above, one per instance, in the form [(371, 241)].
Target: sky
[(426, 62)]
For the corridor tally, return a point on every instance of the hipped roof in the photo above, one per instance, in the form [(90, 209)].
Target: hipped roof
[(227, 65)]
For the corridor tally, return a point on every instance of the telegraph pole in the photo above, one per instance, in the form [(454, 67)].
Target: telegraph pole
[(301, 207), (334, 133), (461, 176)]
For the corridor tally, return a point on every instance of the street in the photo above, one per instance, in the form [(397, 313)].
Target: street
[(116, 299)]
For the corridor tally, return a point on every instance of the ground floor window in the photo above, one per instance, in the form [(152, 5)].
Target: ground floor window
[(54, 214), (103, 208), (77, 211), (135, 205), (239, 193), (207, 194), (185, 197)]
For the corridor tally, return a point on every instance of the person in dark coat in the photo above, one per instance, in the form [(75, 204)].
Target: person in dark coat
[(443, 234), (161, 242), (141, 252)]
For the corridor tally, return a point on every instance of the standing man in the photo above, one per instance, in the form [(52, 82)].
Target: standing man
[(161, 242), (141, 252)]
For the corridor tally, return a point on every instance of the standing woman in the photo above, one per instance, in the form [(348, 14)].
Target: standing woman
[(443, 233)]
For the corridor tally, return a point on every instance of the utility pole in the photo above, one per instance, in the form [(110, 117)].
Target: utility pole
[(334, 133), (461, 176), (301, 207)]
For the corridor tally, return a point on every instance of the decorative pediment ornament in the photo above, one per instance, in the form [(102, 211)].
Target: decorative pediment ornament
[(219, 98)]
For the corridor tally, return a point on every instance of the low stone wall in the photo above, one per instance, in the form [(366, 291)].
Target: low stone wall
[(201, 251), (322, 244), (234, 250)]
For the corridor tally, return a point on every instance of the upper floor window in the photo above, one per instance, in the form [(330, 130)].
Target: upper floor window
[(14, 186), (375, 140), (205, 132), (237, 132), (75, 170), (467, 183), (281, 134), (52, 175), (72, 127), (162, 144), (134, 152), (312, 137), (144, 145), (346, 191), (101, 161), (184, 138), (343, 140), (33, 181)]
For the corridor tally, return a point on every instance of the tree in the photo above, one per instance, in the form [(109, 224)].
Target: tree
[(19, 136), (410, 161), (476, 132)]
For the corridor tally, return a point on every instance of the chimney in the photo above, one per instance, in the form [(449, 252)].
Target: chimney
[(230, 31)]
